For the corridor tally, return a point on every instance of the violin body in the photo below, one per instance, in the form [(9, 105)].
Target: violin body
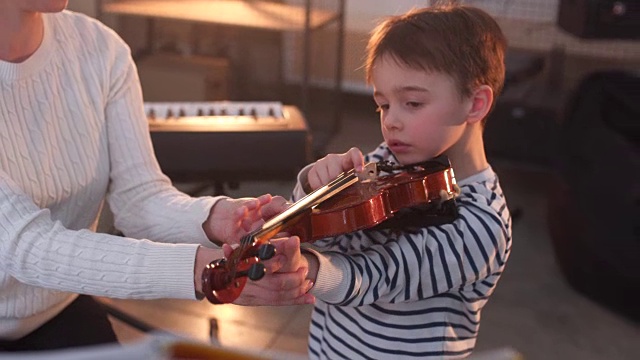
[(369, 203), (350, 203)]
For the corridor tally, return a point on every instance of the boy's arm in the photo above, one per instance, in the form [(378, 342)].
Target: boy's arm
[(466, 255)]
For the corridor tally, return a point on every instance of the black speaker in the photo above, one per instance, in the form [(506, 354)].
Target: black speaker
[(594, 207), (523, 125), (521, 133), (611, 19)]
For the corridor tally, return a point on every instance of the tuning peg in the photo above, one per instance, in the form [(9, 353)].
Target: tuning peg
[(266, 251), (256, 272)]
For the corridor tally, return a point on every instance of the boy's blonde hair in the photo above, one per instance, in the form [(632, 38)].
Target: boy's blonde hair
[(462, 41)]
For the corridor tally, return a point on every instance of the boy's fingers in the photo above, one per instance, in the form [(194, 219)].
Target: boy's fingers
[(355, 158)]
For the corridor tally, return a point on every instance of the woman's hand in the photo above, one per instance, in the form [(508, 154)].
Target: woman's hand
[(230, 219), (332, 165), (285, 282)]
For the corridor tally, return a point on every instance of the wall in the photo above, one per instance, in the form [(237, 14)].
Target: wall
[(88, 7), (528, 24), (360, 18)]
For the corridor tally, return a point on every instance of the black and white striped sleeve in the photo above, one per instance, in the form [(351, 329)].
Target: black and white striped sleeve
[(418, 265)]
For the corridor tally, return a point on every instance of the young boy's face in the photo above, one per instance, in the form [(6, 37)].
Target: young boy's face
[(422, 114)]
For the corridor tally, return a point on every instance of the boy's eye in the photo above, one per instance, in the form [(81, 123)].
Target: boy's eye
[(382, 107), (414, 104)]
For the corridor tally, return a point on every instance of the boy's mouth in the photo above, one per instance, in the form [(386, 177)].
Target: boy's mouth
[(398, 146)]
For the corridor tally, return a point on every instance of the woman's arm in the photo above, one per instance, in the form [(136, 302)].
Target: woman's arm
[(39, 251), (143, 200)]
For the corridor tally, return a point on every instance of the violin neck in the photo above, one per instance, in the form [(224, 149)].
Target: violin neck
[(279, 222)]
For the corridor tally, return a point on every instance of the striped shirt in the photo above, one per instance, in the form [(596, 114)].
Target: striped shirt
[(383, 294)]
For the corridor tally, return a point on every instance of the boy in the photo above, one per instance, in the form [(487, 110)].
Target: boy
[(436, 73)]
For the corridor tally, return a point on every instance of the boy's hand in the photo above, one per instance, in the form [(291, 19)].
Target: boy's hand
[(332, 165), (230, 219)]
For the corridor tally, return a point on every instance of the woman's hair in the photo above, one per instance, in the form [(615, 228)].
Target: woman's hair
[(464, 42)]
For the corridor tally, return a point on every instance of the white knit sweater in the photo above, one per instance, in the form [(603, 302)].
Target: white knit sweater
[(72, 131)]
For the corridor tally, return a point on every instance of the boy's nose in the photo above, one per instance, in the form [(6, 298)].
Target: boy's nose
[(391, 121)]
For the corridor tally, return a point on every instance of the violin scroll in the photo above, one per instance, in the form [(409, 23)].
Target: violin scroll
[(223, 279)]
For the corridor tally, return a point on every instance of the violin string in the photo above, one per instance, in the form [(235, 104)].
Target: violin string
[(237, 254)]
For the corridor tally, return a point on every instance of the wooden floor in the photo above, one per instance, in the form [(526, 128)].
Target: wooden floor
[(280, 330)]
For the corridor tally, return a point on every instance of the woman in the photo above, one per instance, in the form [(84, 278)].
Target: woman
[(72, 133)]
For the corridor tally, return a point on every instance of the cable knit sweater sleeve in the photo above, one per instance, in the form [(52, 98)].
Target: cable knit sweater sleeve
[(37, 250), (142, 199)]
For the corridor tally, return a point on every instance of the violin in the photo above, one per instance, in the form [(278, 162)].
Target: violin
[(353, 201)]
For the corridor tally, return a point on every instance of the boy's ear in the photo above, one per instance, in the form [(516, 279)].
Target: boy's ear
[(481, 101)]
